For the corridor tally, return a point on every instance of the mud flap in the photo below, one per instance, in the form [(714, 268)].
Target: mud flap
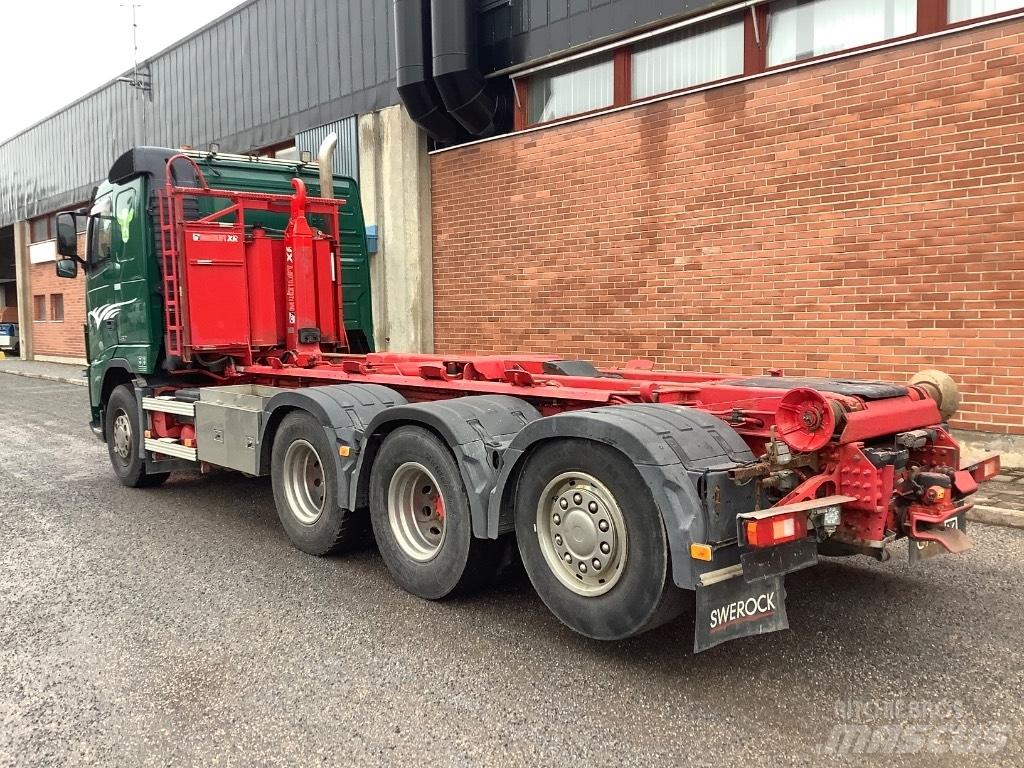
[(733, 608), (953, 532)]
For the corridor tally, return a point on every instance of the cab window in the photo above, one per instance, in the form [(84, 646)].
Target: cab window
[(101, 231), (126, 223)]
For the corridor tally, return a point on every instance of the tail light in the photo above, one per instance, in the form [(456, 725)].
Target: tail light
[(774, 530)]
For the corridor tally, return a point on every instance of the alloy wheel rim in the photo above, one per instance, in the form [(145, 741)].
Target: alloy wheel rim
[(122, 436), (305, 482), (416, 512), (582, 533)]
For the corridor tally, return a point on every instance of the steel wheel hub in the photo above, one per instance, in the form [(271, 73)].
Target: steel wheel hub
[(416, 511), (582, 533), (122, 435), (304, 482)]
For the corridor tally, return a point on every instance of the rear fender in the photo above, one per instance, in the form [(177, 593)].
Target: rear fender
[(477, 429), (345, 412), (673, 449)]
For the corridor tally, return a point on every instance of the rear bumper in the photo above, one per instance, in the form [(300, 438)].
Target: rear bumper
[(760, 564)]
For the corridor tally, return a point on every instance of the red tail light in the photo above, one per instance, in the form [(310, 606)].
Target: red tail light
[(770, 531)]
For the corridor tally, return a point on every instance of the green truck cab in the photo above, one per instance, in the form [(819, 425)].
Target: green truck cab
[(124, 290)]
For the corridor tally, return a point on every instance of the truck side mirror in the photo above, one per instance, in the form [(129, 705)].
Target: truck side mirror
[(67, 236), (67, 268)]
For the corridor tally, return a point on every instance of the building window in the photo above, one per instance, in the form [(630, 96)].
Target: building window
[(962, 10), (40, 229), (700, 53), (57, 307), (581, 86), (39, 308), (802, 29)]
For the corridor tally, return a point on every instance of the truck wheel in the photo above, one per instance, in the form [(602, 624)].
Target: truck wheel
[(421, 517), (305, 480), (593, 542), (122, 431)]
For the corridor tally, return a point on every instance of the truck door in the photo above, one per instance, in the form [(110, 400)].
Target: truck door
[(133, 288), (100, 303)]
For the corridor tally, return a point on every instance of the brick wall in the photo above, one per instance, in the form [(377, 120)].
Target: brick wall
[(63, 339), (863, 217)]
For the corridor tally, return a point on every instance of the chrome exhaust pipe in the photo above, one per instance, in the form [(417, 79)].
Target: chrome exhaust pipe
[(325, 158)]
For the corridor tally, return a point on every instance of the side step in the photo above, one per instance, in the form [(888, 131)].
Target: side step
[(167, 404), (168, 446)]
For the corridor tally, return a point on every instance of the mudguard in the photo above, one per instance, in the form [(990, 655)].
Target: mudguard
[(674, 448), (344, 410), (477, 429)]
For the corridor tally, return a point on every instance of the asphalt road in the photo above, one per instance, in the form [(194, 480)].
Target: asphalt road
[(178, 626)]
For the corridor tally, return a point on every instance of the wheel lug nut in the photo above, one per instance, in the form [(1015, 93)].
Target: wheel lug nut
[(568, 557), (577, 498), (558, 541), (597, 564), (592, 506), (603, 525), (583, 567), (605, 548), (557, 519), (563, 503)]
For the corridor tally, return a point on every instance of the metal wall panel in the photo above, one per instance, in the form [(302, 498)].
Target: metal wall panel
[(515, 32), (270, 69), (260, 74), (346, 155)]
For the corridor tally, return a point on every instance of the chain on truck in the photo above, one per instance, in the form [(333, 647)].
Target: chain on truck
[(229, 325)]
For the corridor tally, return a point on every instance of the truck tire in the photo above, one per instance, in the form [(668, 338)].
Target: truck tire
[(123, 430), (593, 542), (304, 475), (421, 518)]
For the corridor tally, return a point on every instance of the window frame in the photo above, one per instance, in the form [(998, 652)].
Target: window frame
[(931, 18), (852, 49), (48, 221), (523, 98), (53, 307), (704, 83), (39, 302), (946, 24)]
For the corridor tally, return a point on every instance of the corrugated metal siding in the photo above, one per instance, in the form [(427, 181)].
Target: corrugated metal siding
[(515, 32), (346, 155), (259, 75)]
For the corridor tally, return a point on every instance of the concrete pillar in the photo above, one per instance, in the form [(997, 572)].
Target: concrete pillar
[(394, 178), (24, 288)]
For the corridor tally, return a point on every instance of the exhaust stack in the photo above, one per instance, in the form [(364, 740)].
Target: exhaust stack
[(325, 157)]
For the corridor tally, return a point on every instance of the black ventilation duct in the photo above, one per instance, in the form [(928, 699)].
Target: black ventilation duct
[(455, 69), (413, 71)]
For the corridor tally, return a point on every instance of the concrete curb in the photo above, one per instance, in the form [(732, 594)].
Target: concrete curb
[(46, 377), (1010, 518)]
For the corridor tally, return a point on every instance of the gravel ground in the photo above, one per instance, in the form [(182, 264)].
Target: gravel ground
[(177, 626)]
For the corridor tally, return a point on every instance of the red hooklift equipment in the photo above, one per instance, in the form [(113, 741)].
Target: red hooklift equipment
[(270, 305), (235, 289)]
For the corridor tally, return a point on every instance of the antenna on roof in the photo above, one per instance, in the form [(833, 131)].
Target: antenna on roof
[(139, 79)]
